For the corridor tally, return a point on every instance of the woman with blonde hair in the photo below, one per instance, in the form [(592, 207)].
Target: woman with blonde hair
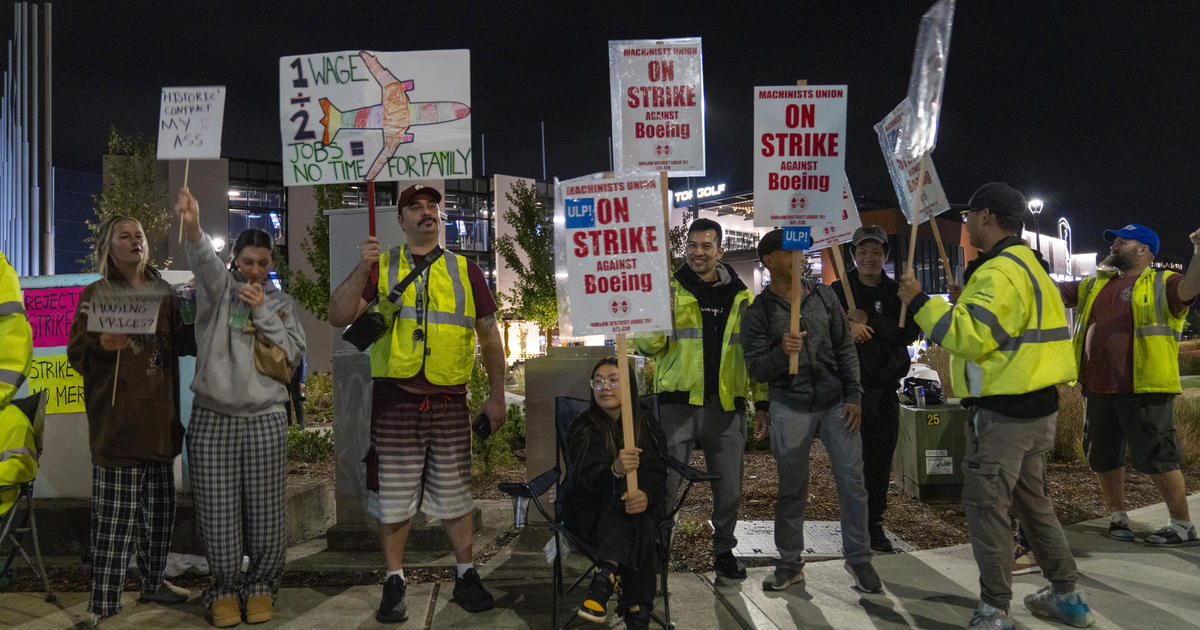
[(249, 341), (131, 393)]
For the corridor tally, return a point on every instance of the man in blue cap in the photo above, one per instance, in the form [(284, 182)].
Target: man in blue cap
[(1128, 322)]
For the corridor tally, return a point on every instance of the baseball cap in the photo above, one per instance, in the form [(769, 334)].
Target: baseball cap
[(770, 242), (411, 192), (869, 233), (1135, 232), (1000, 198)]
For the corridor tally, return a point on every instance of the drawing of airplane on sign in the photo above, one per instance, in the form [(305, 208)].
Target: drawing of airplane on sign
[(394, 115)]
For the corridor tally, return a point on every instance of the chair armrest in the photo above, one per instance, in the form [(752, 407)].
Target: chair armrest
[(689, 473), (533, 488)]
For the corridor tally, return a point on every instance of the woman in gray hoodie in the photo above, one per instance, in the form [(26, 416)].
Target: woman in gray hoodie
[(237, 435)]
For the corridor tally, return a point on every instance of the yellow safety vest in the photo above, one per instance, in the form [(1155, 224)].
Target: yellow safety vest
[(1008, 332), (16, 337), (1156, 332), (433, 327), (679, 356)]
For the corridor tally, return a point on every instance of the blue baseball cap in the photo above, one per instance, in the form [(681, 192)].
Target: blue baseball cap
[(1135, 232)]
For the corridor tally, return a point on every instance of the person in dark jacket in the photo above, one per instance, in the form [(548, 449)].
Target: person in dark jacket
[(883, 360), (620, 524), (821, 400), (134, 431)]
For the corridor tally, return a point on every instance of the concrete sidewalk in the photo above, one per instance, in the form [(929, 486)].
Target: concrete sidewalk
[(1129, 586)]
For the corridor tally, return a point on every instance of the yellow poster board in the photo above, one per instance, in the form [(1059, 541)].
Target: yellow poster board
[(53, 373)]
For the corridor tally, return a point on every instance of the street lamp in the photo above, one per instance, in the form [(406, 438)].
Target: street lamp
[(1035, 207)]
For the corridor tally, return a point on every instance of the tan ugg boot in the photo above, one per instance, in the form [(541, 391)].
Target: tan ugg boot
[(259, 608), (225, 612)]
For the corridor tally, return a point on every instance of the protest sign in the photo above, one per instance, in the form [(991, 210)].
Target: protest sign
[(64, 386), (798, 155), (657, 91), (918, 188), (610, 262), (189, 122), (927, 79), (832, 228), (133, 313), (353, 115), (50, 313)]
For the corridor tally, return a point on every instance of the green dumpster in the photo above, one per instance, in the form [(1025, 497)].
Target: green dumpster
[(928, 461)]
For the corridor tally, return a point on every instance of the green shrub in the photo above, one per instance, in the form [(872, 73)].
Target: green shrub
[(318, 394), (1187, 425), (497, 450), (309, 446)]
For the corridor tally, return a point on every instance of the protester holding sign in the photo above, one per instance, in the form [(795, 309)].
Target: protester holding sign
[(131, 385), (248, 341), (883, 360), (620, 524), (702, 380), (18, 455), (822, 400), (1009, 349), (434, 304)]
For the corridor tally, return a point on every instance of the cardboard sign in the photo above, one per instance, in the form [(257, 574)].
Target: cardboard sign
[(358, 115), (189, 122), (610, 256), (916, 182), (50, 313), (799, 152), (657, 106), (124, 313), (65, 386)]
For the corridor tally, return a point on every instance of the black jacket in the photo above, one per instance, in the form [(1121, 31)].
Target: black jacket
[(883, 359)]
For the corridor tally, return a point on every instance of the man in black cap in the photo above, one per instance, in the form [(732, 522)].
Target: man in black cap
[(883, 360), (822, 400), (1128, 322), (435, 304), (1009, 349)]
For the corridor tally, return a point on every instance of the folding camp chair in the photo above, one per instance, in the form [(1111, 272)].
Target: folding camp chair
[(19, 522), (566, 409)]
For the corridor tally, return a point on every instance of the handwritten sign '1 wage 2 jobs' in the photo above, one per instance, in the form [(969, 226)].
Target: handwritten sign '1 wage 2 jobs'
[(189, 122), (799, 156), (125, 313), (610, 258), (657, 89), (358, 115)]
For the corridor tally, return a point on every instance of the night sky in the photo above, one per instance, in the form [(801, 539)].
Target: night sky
[(1090, 106)]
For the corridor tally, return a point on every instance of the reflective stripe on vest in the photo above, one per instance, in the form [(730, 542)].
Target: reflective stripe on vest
[(12, 308)]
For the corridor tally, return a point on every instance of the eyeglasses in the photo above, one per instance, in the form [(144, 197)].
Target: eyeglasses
[(964, 213), (600, 383)]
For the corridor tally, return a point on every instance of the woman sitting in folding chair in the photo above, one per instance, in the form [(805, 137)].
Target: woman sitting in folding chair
[(621, 525)]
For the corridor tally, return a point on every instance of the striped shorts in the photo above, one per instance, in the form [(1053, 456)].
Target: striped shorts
[(420, 456)]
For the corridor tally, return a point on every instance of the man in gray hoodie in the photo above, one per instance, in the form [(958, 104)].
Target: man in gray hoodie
[(822, 400)]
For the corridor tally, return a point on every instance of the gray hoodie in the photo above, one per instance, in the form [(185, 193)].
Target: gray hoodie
[(828, 372), (226, 380)]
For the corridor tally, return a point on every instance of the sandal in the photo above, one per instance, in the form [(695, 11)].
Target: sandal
[(1120, 530), (1169, 537)]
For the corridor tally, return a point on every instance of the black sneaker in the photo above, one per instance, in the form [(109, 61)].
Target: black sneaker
[(866, 579), (728, 567), (879, 539), (392, 608), (595, 606), (637, 617), (470, 594)]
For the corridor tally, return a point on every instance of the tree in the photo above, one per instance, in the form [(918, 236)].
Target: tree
[(313, 293), (535, 296), (131, 188)]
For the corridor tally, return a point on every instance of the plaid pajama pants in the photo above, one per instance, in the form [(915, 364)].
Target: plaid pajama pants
[(238, 467), (130, 504)]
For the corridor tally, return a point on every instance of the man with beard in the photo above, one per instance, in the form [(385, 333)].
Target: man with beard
[(1009, 348), (883, 360), (700, 375), (1129, 319)]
